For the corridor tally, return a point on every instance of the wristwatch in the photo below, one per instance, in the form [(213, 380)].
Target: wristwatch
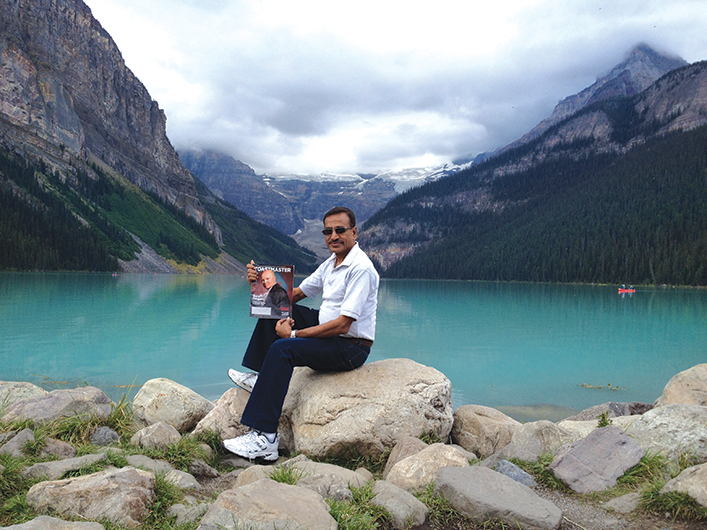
[(293, 334)]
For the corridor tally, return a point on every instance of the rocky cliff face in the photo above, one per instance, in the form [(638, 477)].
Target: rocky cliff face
[(286, 203), (66, 92), (237, 183), (642, 68)]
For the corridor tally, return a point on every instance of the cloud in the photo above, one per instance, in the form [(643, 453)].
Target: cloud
[(314, 86)]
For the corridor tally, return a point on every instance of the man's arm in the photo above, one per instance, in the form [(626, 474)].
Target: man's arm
[(338, 326)]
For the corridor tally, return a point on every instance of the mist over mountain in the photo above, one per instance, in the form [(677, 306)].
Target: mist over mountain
[(539, 210)]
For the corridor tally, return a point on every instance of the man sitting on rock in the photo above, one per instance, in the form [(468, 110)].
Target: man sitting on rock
[(337, 337)]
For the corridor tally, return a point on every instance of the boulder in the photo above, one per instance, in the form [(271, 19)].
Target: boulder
[(16, 444), (187, 514), (104, 436), (224, 418), (14, 391), (307, 468), (182, 480), (418, 471), (266, 504), (508, 452), (123, 496), (55, 469), (482, 494), (482, 430), (625, 504), (157, 435), (672, 430), (406, 446), (404, 508), (45, 522), (613, 408), (164, 400), (199, 468), (83, 402), (580, 429), (691, 481), (328, 485), (595, 462), (540, 437), (57, 448), (513, 471), (147, 463), (688, 387), (364, 411)]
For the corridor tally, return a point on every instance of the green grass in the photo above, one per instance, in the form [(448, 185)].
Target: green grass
[(542, 473), (359, 514)]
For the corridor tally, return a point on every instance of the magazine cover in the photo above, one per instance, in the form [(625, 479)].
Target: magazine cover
[(271, 294)]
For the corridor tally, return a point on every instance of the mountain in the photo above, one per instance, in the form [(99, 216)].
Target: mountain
[(86, 163), (613, 192), (288, 202)]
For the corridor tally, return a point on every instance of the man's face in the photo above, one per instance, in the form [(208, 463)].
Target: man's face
[(267, 278), (340, 244)]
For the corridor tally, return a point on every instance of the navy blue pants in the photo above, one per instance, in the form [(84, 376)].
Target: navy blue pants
[(275, 358)]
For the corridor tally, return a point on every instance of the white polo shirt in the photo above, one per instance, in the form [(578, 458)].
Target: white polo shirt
[(351, 289)]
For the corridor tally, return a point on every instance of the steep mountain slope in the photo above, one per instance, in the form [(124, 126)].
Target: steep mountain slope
[(642, 68), (614, 192), (86, 157)]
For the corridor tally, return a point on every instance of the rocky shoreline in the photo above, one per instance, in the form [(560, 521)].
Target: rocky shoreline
[(378, 412)]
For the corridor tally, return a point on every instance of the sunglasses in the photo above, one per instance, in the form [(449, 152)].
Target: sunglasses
[(339, 230)]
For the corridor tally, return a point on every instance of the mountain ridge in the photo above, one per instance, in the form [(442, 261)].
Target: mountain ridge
[(425, 216)]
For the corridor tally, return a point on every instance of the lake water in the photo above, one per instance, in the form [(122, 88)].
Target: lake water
[(531, 350)]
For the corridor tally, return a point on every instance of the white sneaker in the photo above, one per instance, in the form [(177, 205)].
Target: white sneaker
[(245, 380), (253, 445)]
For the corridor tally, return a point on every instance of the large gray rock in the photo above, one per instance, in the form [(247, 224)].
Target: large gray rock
[(688, 387), (404, 508), (482, 494), (225, 417), (612, 408), (365, 411), (123, 496), (418, 471), (148, 464), (16, 444), (691, 481), (54, 470), (580, 429), (57, 448), (482, 430), (328, 485), (406, 446), (513, 471), (182, 480), (594, 463), (157, 435), (164, 400), (14, 391), (672, 430), (45, 522), (266, 504), (540, 437), (83, 402)]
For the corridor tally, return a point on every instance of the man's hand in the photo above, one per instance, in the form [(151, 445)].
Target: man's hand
[(283, 328), (252, 273)]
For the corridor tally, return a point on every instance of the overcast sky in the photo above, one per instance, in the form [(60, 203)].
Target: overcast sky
[(309, 86)]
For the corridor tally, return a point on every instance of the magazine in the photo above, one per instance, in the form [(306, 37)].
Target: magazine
[(271, 294)]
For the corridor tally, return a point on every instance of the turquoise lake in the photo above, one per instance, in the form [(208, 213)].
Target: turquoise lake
[(526, 349)]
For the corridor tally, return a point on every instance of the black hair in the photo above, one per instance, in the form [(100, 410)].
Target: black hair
[(342, 209)]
